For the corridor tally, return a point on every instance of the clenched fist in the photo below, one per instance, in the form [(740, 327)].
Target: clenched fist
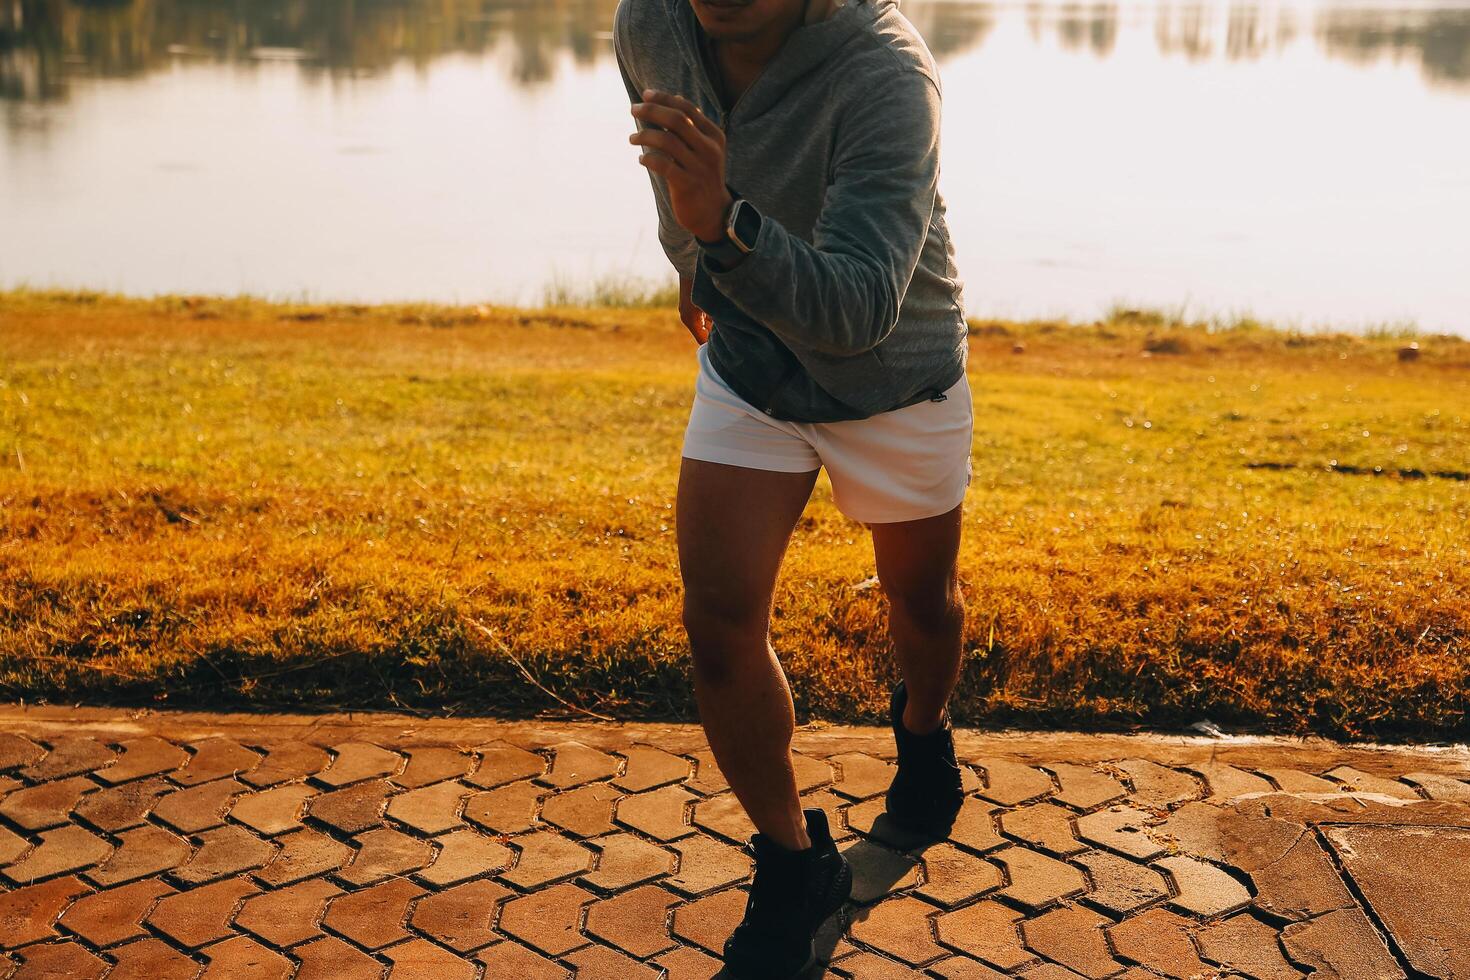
[(684, 147)]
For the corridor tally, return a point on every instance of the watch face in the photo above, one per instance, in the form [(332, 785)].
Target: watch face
[(745, 225)]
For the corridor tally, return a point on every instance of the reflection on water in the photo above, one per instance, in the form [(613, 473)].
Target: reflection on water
[(44, 42), (1291, 159)]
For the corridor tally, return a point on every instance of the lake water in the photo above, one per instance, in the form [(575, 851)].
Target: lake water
[(1307, 163)]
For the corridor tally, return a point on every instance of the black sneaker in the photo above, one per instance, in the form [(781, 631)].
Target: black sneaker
[(927, 792), (792, 894)]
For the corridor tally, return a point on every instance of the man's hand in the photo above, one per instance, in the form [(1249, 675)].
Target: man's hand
[(696, 320), (687, 150)]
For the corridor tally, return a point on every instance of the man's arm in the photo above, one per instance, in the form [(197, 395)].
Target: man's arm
[(678, 244), (841, 292)]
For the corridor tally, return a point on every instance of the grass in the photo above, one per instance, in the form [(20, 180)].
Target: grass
[(213, 502)]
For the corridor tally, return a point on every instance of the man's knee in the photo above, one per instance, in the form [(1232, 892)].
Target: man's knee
[(931, 607), (723, 630)]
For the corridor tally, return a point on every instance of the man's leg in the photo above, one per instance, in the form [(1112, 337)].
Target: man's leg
[(733, 525), (918, 566)]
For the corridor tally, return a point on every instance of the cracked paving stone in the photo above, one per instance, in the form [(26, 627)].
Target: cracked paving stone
[(1120, 885), (215, 758), (304, 854), (289, 915), (61, 850), (1438, 787), (708, 922), (385, 853), (1341, 945), (419, 959), (16, 751), (547, 919), (70, 757), (546, 857), (151, 959), (601, 963), (660, 814), (286, 762), (357, 761), (508, 809), (109, 917), (64, 959), (1159, 940), (877, 871), (228, 850), (1248, 946), (1227, 782), (987, 931), (649, 768), (708, 779), (899, 927), (502, 763), (953, 877), (1073, 937), (201, 915), (273, 811), (27, 914), (1044, 825), (465, 854), (47, 805), (1010, 783), (573, 764), (430, 809), (242, 958), (1413, 880), (1122, 829), (723, 815), (1036, 880), (146, 756), (199, 807), (688, 963), (329, 958), (1357, 781), (121, 807), (810, 773), (634, 921), (1296, 781), (432, 765), (1203, 889), (1159, 786), (706, 864), (142, 852), (512, 960), (625, 860), (353, 809), (461, 917), (1085, 788), (373, 918), (585, 811)]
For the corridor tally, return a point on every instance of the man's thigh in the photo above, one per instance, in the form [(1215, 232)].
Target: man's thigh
[(733, 524)]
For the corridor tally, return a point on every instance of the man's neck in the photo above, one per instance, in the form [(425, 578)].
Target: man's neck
[(750, 54)]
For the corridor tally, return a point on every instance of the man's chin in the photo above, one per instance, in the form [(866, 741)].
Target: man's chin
[(727, 22)]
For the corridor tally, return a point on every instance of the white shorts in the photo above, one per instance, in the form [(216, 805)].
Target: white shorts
[(903, 465)]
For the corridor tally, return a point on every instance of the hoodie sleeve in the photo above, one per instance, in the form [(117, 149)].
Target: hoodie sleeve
[(840, 293), (678, 244)]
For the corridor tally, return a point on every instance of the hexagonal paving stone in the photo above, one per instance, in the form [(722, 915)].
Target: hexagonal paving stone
[(64, 959), (121, 807), (899, 927), (877, 871), (1085, 788), (1037, 881), (634, 921), (286, 761), (1119, 885), (1248, 946), (216, 758), (430, 809), (573, 764), (201, 915), (354, 809), (953, 877), (27, 914), (546, 857), (1227, 782), (625, 860), (61, 850), (461, 917), (987, 931), (1121, 829), (1203, 889), (1296, 781), (224, 851), (465, 854), (706, 864), (585, 811), (356, 761), (1045, 826), (151, 959), (47, 805), (508, 809), (502, 763), (142, 851), (329, 958), (1159, 940), (1010, 783), (290, 915), (863, 776), (1073, 937), (649, 767), (200, 806), (512, 960), (660, 813), (304, 854), (708, 922), (70, 757), (419, 959), (385, 853), (146, 756), (1160, 786), (273, 811), (110, 917), (723, 815), (373, 918), (547, 919), (433, 764)]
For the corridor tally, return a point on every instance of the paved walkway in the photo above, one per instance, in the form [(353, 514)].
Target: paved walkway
[(156, 846)]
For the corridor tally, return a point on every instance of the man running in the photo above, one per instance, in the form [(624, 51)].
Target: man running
[(793, 147)]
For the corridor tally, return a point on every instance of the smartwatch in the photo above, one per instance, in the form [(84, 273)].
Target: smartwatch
[(742, 228)]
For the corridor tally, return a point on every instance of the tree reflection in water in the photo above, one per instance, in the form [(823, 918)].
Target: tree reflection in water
[(44, 42)]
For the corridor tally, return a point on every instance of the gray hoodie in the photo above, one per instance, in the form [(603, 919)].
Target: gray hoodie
[(850, 304)]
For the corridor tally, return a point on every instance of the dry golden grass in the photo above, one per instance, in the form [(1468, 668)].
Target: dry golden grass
[(226, 502)]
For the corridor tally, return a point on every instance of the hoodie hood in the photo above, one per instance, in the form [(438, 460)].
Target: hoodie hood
[(805, 49)]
